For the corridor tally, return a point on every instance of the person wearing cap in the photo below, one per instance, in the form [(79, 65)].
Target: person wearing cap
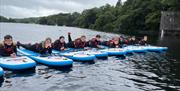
[(44, 47), (8, 47), (60, 44), (95, 42)]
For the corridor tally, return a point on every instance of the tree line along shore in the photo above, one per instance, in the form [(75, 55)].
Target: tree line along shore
[(130, 17)]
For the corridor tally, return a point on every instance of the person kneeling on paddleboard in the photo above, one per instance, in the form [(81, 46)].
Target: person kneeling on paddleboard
[(60, 44), (45, 47), (8, 47), (77, 43), (95, 42)]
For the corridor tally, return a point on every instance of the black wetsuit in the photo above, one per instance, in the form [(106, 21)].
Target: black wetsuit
[(38, 47), (57, 45)]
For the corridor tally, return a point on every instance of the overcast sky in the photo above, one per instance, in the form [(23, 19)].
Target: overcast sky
[(35, 8)]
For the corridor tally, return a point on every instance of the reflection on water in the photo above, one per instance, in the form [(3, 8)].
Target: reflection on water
[(137, 72)]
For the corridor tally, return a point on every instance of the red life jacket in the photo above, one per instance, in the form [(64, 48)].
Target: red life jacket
[(78, 43), (9, 49), (95, 42), (126, 41), (61, 44), (112, 43)]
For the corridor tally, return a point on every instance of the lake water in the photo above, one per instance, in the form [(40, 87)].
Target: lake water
[(138, 72)]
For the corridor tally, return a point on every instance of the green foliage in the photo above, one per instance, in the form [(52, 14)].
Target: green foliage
[(3, 19), (27, 20), (130, 16), (133, 15), (87, 18)]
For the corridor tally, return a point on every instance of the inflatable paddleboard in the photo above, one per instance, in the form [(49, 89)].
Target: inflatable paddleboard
[(155, 48), (1, 72), (49, 61), (79, 56), (18, 63), (115, 51), (137, 49), (97, 53)]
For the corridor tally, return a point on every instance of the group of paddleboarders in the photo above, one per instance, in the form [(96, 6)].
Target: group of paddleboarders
[(9, 48)]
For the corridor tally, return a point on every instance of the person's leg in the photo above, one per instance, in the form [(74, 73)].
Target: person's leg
[(27, 46)]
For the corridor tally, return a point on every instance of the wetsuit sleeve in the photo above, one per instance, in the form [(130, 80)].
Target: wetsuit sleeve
[(15, 49), (35, 47), (87, 44), (3, 53), (69, 38), (93, 43), (55, 45), (50, 50), (65, 45), (104, 43), (41, 50), (70, 44)]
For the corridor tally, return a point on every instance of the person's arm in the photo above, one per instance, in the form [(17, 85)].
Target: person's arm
[(50, 50), (37, 48), (65, 45), (94, 43), (5, 54), (42, 50), (70, 44), (104, 43), (2, 53), (111, 45), (55, 45), (87, 44), (69, 37), (15, 50)]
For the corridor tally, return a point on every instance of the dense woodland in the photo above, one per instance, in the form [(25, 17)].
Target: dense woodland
[(128, 17)]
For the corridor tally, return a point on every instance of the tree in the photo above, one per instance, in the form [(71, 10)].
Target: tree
[(131, 16), (3, 19), (104, 20), (43, 20), (119, 3)]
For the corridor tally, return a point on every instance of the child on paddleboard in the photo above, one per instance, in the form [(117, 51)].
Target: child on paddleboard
[(45, 47), (96, 42), (77, 43), (8, 47), (60, 44)]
